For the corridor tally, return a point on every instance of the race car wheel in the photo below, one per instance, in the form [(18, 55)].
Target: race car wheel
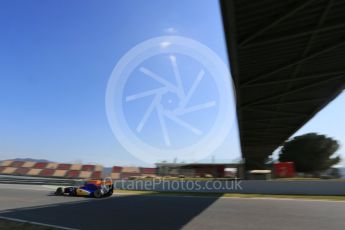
[(98, 193), (109, 193), (73, 192), (59, 191)]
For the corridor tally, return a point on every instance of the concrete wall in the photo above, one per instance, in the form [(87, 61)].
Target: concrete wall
[(312, 187)]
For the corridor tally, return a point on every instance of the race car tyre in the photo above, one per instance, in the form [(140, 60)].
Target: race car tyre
[(98, 193), (59, 191), (73, 192), (109, 193)]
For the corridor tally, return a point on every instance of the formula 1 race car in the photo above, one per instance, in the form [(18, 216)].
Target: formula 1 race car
[(91, 188)]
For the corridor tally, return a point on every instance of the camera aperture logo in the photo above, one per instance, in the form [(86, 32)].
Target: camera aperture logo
[(170, 97)]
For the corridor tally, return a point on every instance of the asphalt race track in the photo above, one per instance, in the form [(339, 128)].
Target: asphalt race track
[(34, 203)]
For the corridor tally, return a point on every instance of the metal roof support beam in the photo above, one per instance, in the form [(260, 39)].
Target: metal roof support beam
[(263, 30), (262, 133), (275, 112), (337, 45), (291, 36), (292, 102), (268, 119), (293, 91), (258, 129), (317, 41), (294, 79), (308, 46), (305, 53), (265, 123)]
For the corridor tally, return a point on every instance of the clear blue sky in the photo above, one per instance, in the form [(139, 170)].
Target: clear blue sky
[(56, 58)]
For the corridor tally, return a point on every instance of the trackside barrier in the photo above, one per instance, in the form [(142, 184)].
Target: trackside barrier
[(50, 169), (119, 172), (322, 187)]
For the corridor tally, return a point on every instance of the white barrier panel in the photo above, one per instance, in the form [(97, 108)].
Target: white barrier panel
[(322, 187)]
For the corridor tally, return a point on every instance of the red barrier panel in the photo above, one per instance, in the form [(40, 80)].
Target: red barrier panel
[(88, 168), (148, 170), (40, 165), (51, 169), (64, 166), (22, 171), (117, 169), (96, 175), (73, 174), (17, 164), (47, 172)]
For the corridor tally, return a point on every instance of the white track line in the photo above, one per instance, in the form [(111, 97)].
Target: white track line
[(37, 223)]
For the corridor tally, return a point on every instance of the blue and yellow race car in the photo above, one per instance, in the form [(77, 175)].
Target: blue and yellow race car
[(91, 188)]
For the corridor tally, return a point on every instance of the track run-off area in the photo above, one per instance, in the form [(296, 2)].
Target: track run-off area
[(35, 203)]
